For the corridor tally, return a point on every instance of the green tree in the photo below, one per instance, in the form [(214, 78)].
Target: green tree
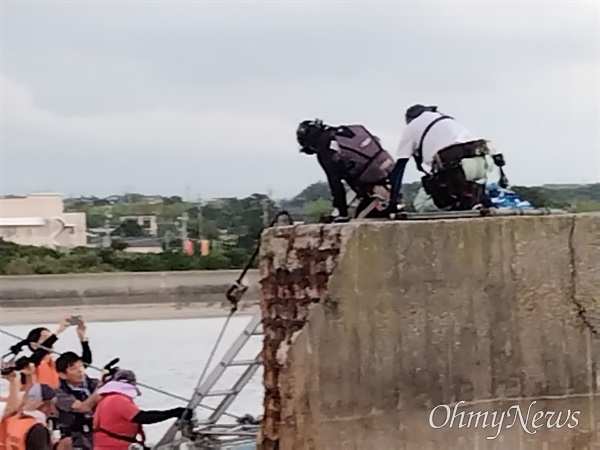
[(17, 266), (587, 206), (315, 209), (172, 200), (203, 228), (129, 228), (316, 191), (94, 220), (100, 202), (538, 197)]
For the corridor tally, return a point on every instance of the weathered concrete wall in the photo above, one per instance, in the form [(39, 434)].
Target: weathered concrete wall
[(368, 327), (122, 288)]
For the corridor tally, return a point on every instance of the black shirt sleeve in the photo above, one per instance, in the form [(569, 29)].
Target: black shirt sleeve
[(151, 417), (38, 438), (86, 353)]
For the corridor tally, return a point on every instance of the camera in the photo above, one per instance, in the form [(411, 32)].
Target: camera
[(74, 320), (112, 368), (19, 364)]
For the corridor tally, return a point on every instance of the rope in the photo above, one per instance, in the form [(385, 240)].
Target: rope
[(214, 350), (237, 290), (234, 295), (146, 386), (212, 354)]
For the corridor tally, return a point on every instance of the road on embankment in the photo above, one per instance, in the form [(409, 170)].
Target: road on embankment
[(121, 295)]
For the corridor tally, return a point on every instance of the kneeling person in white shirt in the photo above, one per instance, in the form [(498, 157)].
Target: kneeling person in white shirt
[(459, 162)]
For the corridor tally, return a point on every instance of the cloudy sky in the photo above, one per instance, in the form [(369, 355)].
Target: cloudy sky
[(102, 97)]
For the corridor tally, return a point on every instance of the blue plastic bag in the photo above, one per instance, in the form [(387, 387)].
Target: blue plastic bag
[(505, 198)]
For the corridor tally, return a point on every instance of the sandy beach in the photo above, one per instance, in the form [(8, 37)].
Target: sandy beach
[(113, 313)]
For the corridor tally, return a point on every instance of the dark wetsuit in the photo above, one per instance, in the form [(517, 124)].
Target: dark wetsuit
[(336, 173)]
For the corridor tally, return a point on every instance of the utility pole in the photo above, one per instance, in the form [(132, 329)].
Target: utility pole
[(200, 218), (106, 241), (184, 230), (167, 238)]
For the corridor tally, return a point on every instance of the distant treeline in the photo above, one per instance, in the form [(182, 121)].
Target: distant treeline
[(232, 225), (241, 216), (27, 260), (583, 198)]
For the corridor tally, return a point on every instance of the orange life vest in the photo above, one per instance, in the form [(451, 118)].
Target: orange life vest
[(46, 372), (16, 431), (3, 431)]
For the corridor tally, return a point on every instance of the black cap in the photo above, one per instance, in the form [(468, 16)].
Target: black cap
[(416, 110)]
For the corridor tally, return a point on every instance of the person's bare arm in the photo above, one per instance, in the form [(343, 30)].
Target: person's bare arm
[(42, 350), (13, 401), (87, 405), (30, 377)]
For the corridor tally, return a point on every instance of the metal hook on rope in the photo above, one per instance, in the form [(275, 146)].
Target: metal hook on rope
[(237, 290), (234, 294)]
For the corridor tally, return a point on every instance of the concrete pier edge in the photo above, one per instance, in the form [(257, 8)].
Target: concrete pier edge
[(370, 326)]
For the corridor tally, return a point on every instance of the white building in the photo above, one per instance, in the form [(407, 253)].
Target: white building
[(40, 220)]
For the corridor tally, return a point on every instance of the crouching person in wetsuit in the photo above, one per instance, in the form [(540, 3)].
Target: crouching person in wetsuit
[(349, 153), (459, 162), (117, 422), (75, 402), (28, 428)]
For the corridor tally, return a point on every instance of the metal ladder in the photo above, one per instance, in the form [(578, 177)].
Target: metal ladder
[(204, 388)]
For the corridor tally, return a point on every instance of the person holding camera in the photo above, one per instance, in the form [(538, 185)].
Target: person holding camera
[(27, 428), (41, 341), (75, 402), (13, 403)]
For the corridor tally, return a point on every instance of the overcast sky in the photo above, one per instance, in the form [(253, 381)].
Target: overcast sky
[(105, 97)]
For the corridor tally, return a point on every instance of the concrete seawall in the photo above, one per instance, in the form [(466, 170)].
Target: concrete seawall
[(182, 288), (369, 327)]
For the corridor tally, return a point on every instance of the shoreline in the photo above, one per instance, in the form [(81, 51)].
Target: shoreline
[(36, 315)]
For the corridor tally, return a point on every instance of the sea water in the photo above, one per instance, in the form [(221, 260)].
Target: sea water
[(165, 354)]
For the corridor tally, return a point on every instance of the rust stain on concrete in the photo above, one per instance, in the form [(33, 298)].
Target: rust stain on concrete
[(294, 273)]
